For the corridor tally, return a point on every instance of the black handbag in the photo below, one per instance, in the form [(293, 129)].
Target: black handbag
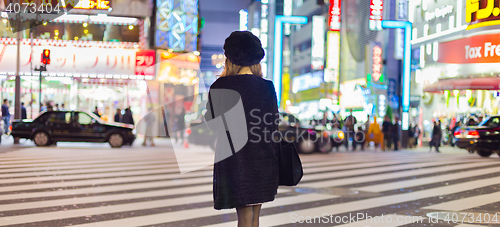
[(290, 166)]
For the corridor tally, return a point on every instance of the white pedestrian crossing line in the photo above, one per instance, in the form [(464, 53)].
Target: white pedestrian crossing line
[(115, 175), (390, 220)]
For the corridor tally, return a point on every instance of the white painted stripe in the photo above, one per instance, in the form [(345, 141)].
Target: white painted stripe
[(427, 180), (285, 218), (386, 176), (107, 198), (200, 212), (390, 220), (468, 225), (466, 203)]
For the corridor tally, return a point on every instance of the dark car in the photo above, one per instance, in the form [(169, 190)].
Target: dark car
[(72, 126), (308, 139), (484, 139)]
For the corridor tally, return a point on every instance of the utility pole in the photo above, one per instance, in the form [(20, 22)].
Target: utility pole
[(17, 97)]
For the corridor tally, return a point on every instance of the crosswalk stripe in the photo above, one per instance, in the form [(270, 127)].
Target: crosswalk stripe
[(386, 176), (466, 203), (426, 180), (201, 212), (284, 218)]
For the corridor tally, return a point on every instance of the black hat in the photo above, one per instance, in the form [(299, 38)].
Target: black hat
[(243, 48)]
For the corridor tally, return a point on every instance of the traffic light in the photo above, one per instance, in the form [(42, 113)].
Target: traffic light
[(46, 56)]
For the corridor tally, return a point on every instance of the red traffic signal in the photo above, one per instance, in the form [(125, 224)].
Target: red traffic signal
[(46, 56)]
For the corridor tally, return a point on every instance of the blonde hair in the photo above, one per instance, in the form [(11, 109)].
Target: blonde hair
[(232, 69)]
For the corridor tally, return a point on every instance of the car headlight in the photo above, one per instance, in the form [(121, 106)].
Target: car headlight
[(133, 132)]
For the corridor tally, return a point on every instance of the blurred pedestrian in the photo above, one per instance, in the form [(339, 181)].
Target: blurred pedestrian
[(96, 112), (43, 107), (387, 130), (24, 115), (128, 117), (118, 115), (180, 125), (6, 116), (56, 107), (411, 136), (248, 178), (349, 123), (374, 134), (149, 119), (436, 136), (395, 133), (452, 133), (62, 107), (416, 134)]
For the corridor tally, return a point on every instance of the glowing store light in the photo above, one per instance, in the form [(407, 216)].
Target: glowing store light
[(435, 49), (243, 20), (422, 56)]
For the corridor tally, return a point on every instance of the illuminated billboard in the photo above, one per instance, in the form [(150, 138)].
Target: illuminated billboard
[(177, 25), (318, 43)]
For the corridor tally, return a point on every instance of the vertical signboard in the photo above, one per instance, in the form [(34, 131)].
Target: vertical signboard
[(144, 62), (332, 58), (334, 15), (376, 12), (399, 44), (318, 43), (393, 99)]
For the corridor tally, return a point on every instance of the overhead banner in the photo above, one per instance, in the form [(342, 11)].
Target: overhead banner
[(72, 60), (334, 15), (318, 43), (475, 49)]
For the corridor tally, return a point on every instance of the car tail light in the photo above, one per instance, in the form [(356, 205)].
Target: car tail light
[(188, 131), (473, 134), (10, 128), (458, 133)]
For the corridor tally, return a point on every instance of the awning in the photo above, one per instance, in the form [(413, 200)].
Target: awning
[(482, 83)]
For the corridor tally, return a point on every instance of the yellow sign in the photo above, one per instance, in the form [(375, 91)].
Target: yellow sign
[(476, 17), (89, 4)]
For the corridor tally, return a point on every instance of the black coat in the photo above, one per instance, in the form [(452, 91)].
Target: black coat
[(250, 175), (127, 118)]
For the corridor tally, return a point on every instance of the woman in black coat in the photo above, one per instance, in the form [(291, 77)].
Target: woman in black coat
[(243, 109)]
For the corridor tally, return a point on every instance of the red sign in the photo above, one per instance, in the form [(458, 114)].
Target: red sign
[(145, 62), (376, 9), (475, 49), (481, 13), (334, 15), (377, 63)]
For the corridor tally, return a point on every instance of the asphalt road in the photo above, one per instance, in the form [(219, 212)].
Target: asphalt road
[(95, 185)]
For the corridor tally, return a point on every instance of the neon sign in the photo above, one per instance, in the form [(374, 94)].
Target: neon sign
[(91, 4), (481, 17), (377, 63)]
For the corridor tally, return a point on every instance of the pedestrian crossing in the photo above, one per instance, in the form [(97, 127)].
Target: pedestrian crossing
[(143, 187)]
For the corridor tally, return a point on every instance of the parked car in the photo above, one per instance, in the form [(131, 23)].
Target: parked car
[(308, 139), (72, 126), (483, 139)]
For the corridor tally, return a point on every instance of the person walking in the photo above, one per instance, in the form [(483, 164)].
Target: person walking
[(6, 116), (349, 123), (249, 177), (395, 133), (24, 114), (96, 112), (386, 130), (56, 107), (411, 136), (149, 121), (436, 136), (180, 126), (374, 134), (118, 115), (416, 134), (62, 107), (128, 117), (452, 133)]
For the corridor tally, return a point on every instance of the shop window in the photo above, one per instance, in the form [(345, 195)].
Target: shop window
[(84, 119)]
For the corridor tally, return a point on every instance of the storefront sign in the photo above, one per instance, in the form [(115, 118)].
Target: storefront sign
[(376, 63), (475, 49), (145, 62), (93, 4), (440, 12), (351, 94), (399, 44), (334, 15), (243, 20), (89, 62), (402, 10), (481, 13), (332, 57), (318, 43), (307, 81), (393, 99), (376, 12)]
